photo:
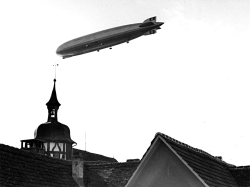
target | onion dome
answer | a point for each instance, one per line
(53, 132)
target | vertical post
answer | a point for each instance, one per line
(85, 141)
(55, 68)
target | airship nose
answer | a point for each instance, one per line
(59, 50)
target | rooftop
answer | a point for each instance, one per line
(23, 168)
(87, 156)
(241, 175)
(108, 174)
(213, 170)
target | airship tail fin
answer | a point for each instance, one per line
(148, 22)
(153, 19)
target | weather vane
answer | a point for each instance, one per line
(55, 68)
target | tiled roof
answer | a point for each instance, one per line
(23, 168)
(241, 175)
(211, 169)
(87, 156)
(105, 174)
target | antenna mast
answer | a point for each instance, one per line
(113, 152)
(85, 140)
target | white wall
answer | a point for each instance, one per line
(162, 168)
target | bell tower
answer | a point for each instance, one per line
(55, 135)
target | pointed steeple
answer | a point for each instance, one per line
(55, 135)
(53, 105)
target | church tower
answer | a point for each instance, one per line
(55, 135)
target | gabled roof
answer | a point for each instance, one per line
(23, 168)
(87, 156)
(108, 174)
(211, 169)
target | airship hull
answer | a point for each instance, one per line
(105, 39)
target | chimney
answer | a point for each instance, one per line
(219, 157)
(77, 170)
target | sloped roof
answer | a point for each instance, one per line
(23, 168)
(87, 156)
(212, 170)
(108, 174)
(241, 175)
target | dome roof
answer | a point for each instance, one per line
(53, 131)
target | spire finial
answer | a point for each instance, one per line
(53, 104)
(55, 69)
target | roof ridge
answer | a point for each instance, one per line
(190, 147)
(98, 163)
(240, 167)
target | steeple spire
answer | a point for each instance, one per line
(53, 105)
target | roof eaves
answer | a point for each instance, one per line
(194, 149)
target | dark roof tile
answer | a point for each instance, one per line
(23, 168)
(108, 174)
(241, 175)
(87, 156)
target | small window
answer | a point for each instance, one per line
(60, 146)
(53, 113)
(52, 145)
(56, 147)
(45, 146)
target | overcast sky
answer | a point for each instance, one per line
(189, 81)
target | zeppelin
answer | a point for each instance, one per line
(107, 38)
